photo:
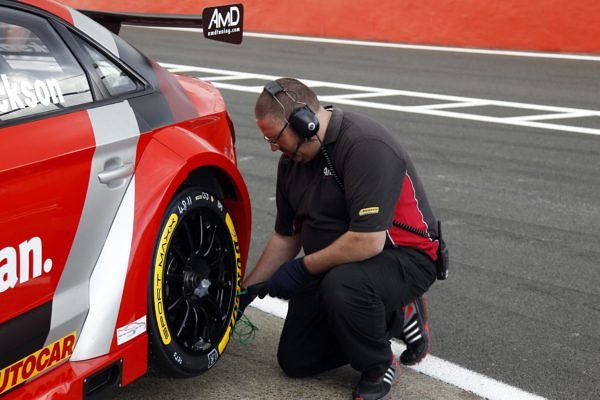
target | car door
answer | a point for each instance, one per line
(66, 160)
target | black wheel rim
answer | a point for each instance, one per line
(199, 280)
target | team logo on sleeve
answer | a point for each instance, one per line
(368, 211)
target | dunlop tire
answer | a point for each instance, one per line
(168, 355)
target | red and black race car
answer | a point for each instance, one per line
(124, 221)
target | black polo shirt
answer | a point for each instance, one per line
(379, 180)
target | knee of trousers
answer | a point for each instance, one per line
(290, 363)
(339, 286)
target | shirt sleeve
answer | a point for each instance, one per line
(373, 176)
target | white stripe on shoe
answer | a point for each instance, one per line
(389, 376)
(410, 341)
(410, 326)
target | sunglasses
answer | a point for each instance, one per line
(273, 142)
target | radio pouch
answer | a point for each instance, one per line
(443, 259)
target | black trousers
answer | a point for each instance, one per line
(341, 317)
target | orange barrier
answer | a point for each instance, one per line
(546, 25)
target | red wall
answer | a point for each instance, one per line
(548, 25)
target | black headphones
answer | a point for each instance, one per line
(303, 120)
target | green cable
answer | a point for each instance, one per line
(244, 331)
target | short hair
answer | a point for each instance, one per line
(296, 95)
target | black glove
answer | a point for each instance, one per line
(288, 279)
(245, 299)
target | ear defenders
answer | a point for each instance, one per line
(303, 120)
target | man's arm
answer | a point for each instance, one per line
(350, 247)
(278, 250)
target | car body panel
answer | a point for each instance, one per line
(84, 189)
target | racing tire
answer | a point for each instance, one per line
(194, 280)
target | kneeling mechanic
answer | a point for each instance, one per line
(348, 195)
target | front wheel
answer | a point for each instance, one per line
(195, 276)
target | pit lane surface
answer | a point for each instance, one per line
(519, 202)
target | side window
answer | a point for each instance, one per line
(115, 80)
(38, 73)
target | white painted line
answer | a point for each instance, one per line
(471, 381)
(563, 56)
(433, 366)
(238, 88)
(472, 117)
(435, 110)
(455, 105)
(556, 116)
(183, 68)
(531, 54)
(229, 78)
(270, 305)
(382, 93)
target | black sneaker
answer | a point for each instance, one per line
(380, 388)
(415, 332)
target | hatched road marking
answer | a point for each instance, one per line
(538, 116)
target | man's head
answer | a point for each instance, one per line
(285, 112)
(295, 94)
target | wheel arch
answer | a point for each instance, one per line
(202, 167)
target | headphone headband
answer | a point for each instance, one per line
(303, 120)
(274, 88)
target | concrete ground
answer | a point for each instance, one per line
(250, 371)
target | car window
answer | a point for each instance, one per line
(38, 73)
(115, 79)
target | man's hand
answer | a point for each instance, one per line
(288, 279)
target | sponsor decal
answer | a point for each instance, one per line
(368, 211)
(131, 330)
(204, 196)
(238, 270)
(36, 363)
(22, 264)
(224, 23)
(184, 205)
(159, 307)
(23, 93)
(213, 356)
(177, 358)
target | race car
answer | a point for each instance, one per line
(124, 220)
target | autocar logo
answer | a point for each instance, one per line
(224, 23)
(35, 363)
